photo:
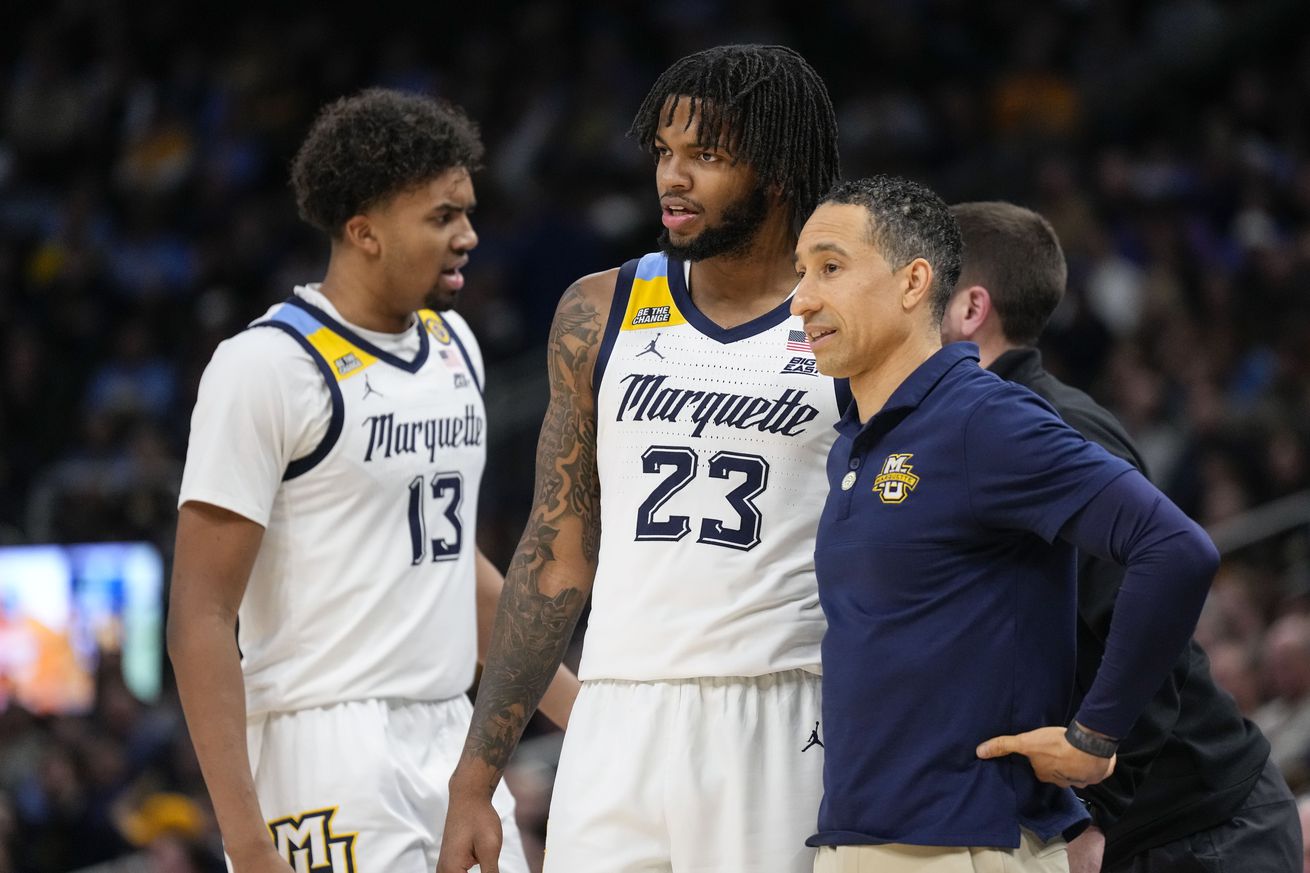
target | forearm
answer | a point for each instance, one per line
(557, 702)
(209, 681)
(552, 570)
(1098, 584)
(532, 631)
(1169, 564)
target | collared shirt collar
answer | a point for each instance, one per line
(1014, 364)
(917, 386)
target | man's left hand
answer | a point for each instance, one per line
(1051, 757)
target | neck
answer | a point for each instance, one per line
(763, 271)
(357, 296)
(991, 348)
(874, 386)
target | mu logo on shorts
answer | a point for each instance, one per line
(308, 844)
(896, 480)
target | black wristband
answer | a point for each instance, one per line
(1085, 741)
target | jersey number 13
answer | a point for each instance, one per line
(446, 491)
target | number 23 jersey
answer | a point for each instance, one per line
(711, 449)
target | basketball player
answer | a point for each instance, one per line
(329, 496)
(681, 390)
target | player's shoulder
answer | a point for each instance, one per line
(584, 307)
(597, 291)
(262, 353)
(594, 289)
(262, 344)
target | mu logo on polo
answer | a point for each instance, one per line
(307, 843)
(896, 480)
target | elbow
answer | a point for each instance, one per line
(193, 632)
(1196, 559)
(1206, 555)
(174, 635)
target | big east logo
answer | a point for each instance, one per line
(895, 482)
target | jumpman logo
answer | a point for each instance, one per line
(369, 389)
(814, 739)
(650, 349)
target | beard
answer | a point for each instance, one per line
(732, 235)
(441, 297)
(440, 300)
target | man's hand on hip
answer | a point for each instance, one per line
(1051, 757)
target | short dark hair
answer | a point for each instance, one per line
(364, 149)
(1014, 253)
(907, 221)
(771, 106)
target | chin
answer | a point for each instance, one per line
(683, 249)
(440, 300)
(831, 367)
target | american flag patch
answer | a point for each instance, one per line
(796, 341)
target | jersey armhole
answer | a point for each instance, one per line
(618, 309)
(300, 466)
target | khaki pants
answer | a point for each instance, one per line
(1032, 856)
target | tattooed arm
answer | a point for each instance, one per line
(547, 583)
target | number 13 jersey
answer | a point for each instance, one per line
(711, 449)
(361, 455)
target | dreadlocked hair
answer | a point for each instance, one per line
(763, 103)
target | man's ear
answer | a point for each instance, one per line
(360, 233)
(918, 284)
(976, 307)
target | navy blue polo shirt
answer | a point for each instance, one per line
(951, 608)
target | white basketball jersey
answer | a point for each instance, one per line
(711, 448)
(364, 583)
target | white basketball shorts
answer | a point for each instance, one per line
(689, 776)
(361, 787)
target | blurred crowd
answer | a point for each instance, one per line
(145, 216)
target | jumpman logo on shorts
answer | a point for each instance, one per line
(369, 389)
(814, 739)
(650, 349)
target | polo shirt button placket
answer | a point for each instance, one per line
(848, 481)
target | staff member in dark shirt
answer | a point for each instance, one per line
(1193, 777)
(945, 559)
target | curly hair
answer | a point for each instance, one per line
(907, 221)
(364, 149)
(768, 102)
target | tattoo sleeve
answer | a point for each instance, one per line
(552, 571)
